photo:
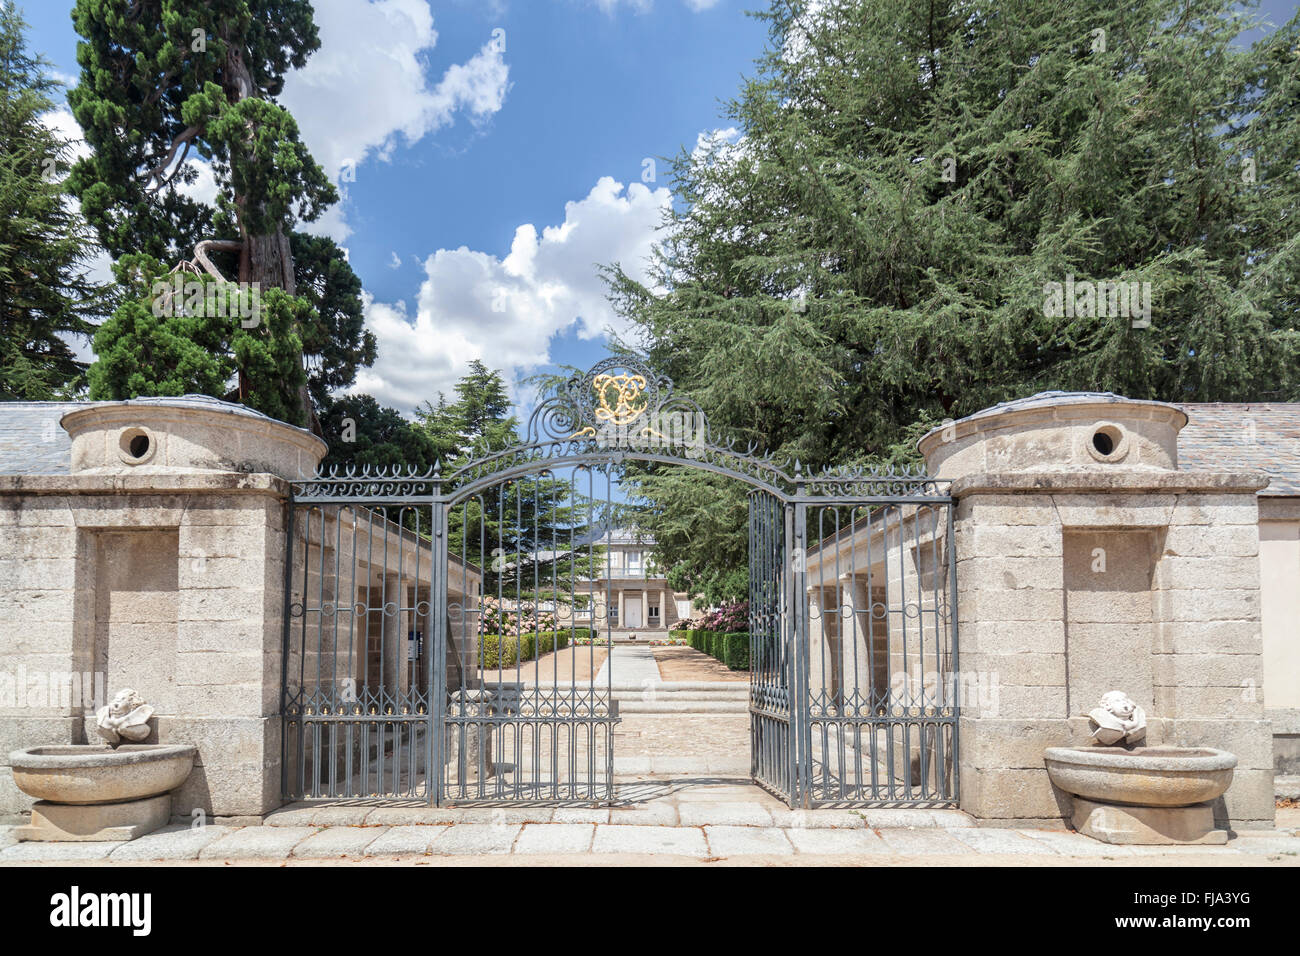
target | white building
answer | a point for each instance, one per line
(630, 594)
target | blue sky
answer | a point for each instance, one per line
(490, 153)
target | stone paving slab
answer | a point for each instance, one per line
(178, 841)
(817, 819)
(7, 838)
(338, 841)
(302, 816)
(581, 815)
(475, 839)
(404, 841)
(660, 814)
(1068, 843)
(922, 841)
(54, 852)
(680, 841)
(1268, 846)
(724, 814)
(997, 840)
(897, 817)
(836, 842)
(555, 838)
(747, 841)
(252, 843)
(497, 816)
(409, 817)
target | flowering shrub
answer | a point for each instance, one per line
(524, 619)
(728, 618)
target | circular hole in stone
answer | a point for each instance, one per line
(1109, 443)
(136, 446)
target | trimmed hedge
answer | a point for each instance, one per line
(506, 650)
(730, 648)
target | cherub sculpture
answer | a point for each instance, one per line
(125, 718)
(1119, 720)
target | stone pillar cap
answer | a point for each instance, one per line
(1057, 431)
(190, 433)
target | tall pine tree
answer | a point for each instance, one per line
(45, 246)
(162, 79)
(872, 253)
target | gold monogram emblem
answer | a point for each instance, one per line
(626, 391)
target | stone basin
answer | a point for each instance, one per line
(83, 774)
(1143, 776)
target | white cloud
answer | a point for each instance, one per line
(367, 82)
(506, 311)
(65, 124)
(396, 263)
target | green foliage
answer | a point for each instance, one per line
(731, 648)
(142, 354)
(827, 290)
(335, 343)
(362, 433)
(44, 245)
(269, 355)
(156, 343)
(507, 650)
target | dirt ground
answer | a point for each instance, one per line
(679, 662)
(575, 665)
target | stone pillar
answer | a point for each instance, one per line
(157, 562)
(1088, 561)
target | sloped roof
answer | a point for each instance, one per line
(31, 439)
(1258, 436)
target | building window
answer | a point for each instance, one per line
(634, 560)
(613, 614)
(653, 611)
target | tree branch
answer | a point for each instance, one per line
(155, 175)
(201, 254)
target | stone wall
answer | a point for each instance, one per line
(170, 583)
(1077, 577)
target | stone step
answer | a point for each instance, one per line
(743, 806)
(659, 694)
(672, 706)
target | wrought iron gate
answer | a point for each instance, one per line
(445, 634)
(773, 716)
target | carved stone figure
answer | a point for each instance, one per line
(1119, 720)
(125, 718)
